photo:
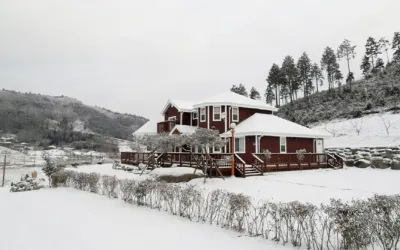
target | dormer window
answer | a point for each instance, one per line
(203, 114)
(235, 114)
(172, 118)
(217, 113)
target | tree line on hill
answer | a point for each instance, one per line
(286, 81)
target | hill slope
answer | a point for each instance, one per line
(33, 113)
(377, 94)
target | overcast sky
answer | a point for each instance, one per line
(131, 56)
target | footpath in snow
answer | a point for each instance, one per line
(65, 219)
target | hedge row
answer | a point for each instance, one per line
(360, 224)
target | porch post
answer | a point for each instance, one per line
(181, 118)
(233, 125)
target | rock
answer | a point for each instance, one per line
(362, 163)
(381, 163)
(349, 162)
(396, 165)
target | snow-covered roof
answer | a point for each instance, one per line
(184, 129)
(271, 125)
(149, 128)
(182, 106)
(233, 99)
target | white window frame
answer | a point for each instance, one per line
(282, 144)
(235, 120)
(172, 118)
(217, 151)
(201, 114)
(195, 115)
(220, 112)
(244, 145)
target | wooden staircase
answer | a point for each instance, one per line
(335, 161)
(252, 171)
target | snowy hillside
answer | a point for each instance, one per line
(369, 131)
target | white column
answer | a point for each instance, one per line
(181, 117)
(191, 118)
(208, 117)
(256, 142)
(226, 119)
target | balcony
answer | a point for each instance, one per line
(166, 126)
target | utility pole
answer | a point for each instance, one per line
(4, 170)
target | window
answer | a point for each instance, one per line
(217, 114)
(203, 114)
(172, 118)
(217, 149)
(283, 144)
(194, 115)
(235, 114)
(240, 145)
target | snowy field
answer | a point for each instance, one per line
(314, 186)
(372, 130)
(65, 219)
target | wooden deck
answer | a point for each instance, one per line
(221, 162)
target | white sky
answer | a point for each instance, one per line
(131, 56)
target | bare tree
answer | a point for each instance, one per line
(357, 125)
(386, 123)
(331, 130)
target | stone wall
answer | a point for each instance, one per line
(375, 157)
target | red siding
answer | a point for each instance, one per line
(294, 144)
(269, 142)
(172, 111)
(186, 118)
(250, 148)
(245, 113)
(219, 125)
(203, 124)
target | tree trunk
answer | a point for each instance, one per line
(276, 95)
(316, 83)
(387, 55)
(348, 64)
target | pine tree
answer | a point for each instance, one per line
(241, 90)
(396, 47)
(365, 66)
(254, 94)
(304, 70)
(372, 50)
(384, 44)
(290, 73)
(338, 78)
(347, 51)
(269, 95)
(316, 73)
(330, 65)
(274, 81)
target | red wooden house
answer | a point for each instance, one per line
(257, 129)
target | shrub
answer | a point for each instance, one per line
(364, 224)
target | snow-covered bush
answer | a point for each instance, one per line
(364, 224)
(26, 183)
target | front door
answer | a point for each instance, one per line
(319, 149)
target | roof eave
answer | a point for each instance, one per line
(253, 133)
(273, 109)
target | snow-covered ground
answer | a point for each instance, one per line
(70, 219)
(35, 157)
(372, 131)
(315, 186)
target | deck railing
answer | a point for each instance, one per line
(166, 126)
(289, 161)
